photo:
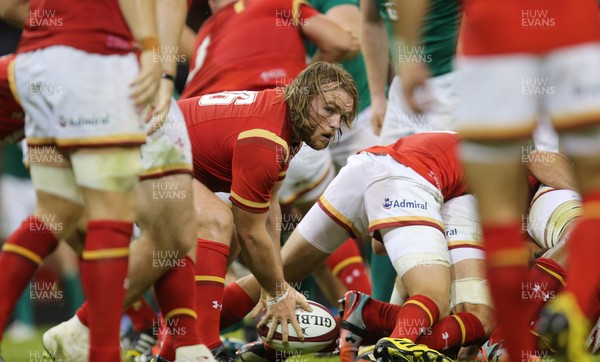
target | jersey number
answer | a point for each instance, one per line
(226, 98)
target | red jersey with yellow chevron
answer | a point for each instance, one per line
(12, 117)
(527, 26)
(433, 155)
(241, 143)
(249, 45)
(94, 26)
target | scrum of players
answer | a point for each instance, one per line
(439, 172)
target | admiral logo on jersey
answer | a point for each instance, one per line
(389, 204)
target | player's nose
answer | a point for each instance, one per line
(335, 121)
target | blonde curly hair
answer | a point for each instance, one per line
(309, 83)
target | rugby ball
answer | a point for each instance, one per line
(319, 327)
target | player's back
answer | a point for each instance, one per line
(528, 26)
(249, 45)
(433, 155)
(95, 26)
(218, 123)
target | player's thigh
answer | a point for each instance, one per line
(215, 217)
(300, 256)
(342, 203)
(550, 213)
(497, 96)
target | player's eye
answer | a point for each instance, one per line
(329, 109)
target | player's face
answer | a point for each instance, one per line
(329, 113)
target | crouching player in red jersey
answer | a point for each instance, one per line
(242, 143)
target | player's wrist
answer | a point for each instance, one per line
(167, 76)
(148, 43)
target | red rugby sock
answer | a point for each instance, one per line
(175, 293)
(21, 255)
(210, 278)
(103, 273)
(417, 314)
(583, 247)
(236, 305)
(461, 329)
(507, 267)
(141, 314)
(348, 266)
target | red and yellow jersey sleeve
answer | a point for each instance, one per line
(259, 162)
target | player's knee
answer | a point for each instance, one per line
(472, 295)
(216, 224)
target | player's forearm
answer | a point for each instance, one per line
(171, 19)
(274, 221)
(140, 16)
(14, 12)
(333, 42)
(259, 254)
(186, 43)
(411, 13)
(552, 169)
(376, 52)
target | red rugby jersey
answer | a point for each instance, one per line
(249, 45)
(241, 143)
(12, 117)
(433, 155)
(527, 26)
(95, 26)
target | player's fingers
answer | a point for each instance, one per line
(303, 303)
(263, 321)
(297, 328)
(284, 331)
(272, 329)
(410, 99)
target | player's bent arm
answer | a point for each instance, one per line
(333, 42)
(552, 169)
(376, 50)
(14, 12)
(171, 19)
(274, 218)
(140, 16)
(258, 249)
(413, 13)
(347, 16)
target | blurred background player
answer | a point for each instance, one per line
(523, 59)
(69, 136)
(166, 218)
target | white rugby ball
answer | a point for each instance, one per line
(319, 327)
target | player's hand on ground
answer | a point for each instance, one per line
(378, 108)
(145, 86)
(161, 105)
(413, 76)
(281, 309)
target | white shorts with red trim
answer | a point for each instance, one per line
(168, 150)
(551, 214)
(75, 99)
(463, 231)
(373, 192)
(501, 97)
